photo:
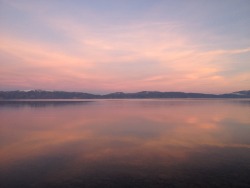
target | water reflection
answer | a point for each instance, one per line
(126, 143)
(41, 103)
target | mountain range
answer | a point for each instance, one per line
(43, 94)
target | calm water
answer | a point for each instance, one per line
(125, 143)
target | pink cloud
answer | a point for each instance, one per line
(112, 57)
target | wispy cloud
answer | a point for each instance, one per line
(140, 54)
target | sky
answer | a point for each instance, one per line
(108, 46)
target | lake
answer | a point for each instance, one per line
(125, 143)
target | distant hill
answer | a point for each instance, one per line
(242, 93)
(42, 94)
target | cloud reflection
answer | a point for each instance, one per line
(161, 127)
(112, 137)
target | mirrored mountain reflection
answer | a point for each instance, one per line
(42, 103)
(126, 143)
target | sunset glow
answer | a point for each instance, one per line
(107, 46)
